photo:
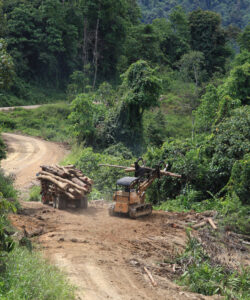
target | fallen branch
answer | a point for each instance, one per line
(114, 166)
(211, 222)
(154, 283)
(199, 225)
(174, 268)
(239, 235)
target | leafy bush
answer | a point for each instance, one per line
(28, 276)
(6, 186)
(118, 150)
(182, 203)
(8, 203)
(6, 242)
(231, 141)
(6, 66)
(206, 112)
(155, 128)
(2, 149)
(239, 182)
(235, 215)
(85, 117)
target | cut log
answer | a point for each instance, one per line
(53, 170)
(66, 182)
(78, 181)
(166, 173)
(84, 189)
(69, 166)
(238, 235)
(87, 180)
(70, 195)
(76, 192)
(61, 185)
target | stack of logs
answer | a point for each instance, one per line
(65, 180)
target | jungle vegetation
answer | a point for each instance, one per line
(166, 82)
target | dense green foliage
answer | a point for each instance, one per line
(51, 39)
(6, 66)
(2, 148)
(68, 46)
(171, 88)
(233, 12)
(208, 37)
(205, 164)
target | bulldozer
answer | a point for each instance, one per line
(130, 193)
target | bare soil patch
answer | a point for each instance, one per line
(105, 256)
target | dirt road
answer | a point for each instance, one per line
(103, 256)
(24, 107)
(26, 154)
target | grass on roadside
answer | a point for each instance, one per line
(34, 193)
(49, 122)
(28, 276)
(202, 275)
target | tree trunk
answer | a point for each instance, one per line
(95, 53)
(85, 44)
(196, 77)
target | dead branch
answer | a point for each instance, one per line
(154, 283)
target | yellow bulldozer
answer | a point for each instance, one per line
(129, 197)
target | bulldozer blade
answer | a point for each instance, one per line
(139, 210)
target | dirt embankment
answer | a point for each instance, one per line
(104, 256)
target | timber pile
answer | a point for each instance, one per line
(66, 180)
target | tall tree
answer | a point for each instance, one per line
(143, 43)
(105, 25)
(208, 37)
(174, 35)
(2, 23)
(50, 39)
(6, 66)
(141, 91)
(191, 65)
(244, 38)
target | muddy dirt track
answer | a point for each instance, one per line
(103, 256)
